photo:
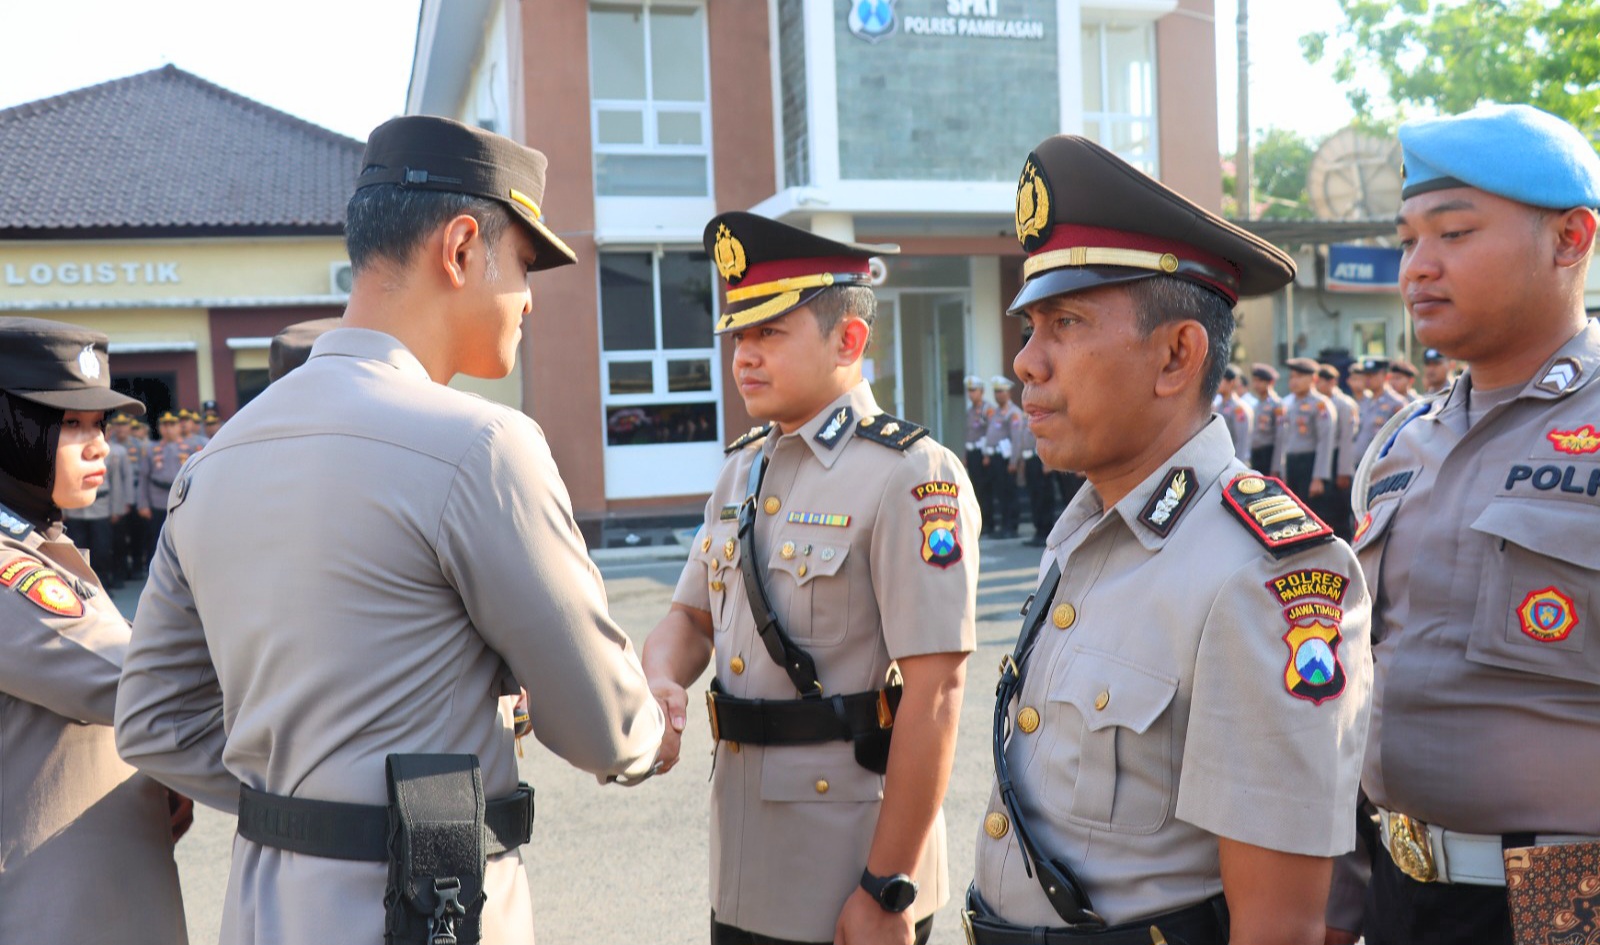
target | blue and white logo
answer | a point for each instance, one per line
(871, 20)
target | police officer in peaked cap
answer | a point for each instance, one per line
(1476, 515)
(838, 541)
(1179, 727)
(364, 562)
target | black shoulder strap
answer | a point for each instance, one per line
(796, 662)
(1061, 886)
(890, 431)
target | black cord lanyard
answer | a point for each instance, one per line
(796, 662)
(1061, 886)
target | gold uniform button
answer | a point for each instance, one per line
(716, 585)
(787, 550)
(705, 544)
(1028, 720)
(1103, 699)
(1064, 616)
(996, 825)
(727, 549)
(771, 505)
(1251, 485)
(822, 786)
(737, 665)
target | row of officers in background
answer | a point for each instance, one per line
(1002, 458)
(123, 524)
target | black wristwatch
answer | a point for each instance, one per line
(894, 893)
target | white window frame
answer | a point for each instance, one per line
(1101, 120)
(659, 355)
(650, 108)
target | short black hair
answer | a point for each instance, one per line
(1162, 300)
(832, 304)
(387, 221)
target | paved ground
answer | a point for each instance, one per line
(622, 865)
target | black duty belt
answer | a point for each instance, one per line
(799, 721)
(1204, 923)
(342, 831)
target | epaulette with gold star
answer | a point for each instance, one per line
(1274, 515)
(890, 431)
(755, 434)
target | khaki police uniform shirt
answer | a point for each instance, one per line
(85, 841)
(1481, 543)
(1347, 413)
(1269, 410)
(363, 562)
(869, 554)
(1306, 426)
(978, 424)
(138, 452)
(1004, 430)
(1156, 714)
(162, 460)
(1238, 418)
(1375, 412)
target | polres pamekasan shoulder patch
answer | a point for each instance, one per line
(1312, 600)
(1274, 515)
(1169, 500)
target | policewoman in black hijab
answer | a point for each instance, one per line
(85, 840)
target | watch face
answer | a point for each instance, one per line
(898, 894)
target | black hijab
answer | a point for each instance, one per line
(29, 434)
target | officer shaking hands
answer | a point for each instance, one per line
(837, 540)
(1477, 515)
(1179, 729)
(363, 562)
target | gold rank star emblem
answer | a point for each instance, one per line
(729, 254)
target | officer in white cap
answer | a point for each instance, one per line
(1002, 454)
(979, 413)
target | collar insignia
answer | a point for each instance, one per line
(13, 524)
(1168, 501)
(729, 254)
(1033, 206)
(1562, 375)
(829, 434)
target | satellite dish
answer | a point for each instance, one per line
(1355, 176)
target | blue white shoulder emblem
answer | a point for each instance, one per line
(13, 524)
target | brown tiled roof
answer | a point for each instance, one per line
(165, 151)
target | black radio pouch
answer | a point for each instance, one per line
(436, 851)
(872, 747)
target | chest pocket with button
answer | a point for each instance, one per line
(1111, 765)
(1535, 600)
(810, 592)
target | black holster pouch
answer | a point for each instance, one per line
(436, 851)
(872, 747)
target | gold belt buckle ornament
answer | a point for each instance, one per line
(1409, 847)
(966, 926)
(711, 710)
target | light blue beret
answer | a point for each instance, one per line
(1512, 151)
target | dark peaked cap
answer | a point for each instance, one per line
(58, 365)
(429, 153)
(1087, 218)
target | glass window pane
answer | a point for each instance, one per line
(1091, 70)
(614, 127)
(678, 128)
(616, 43)
(644, 175)
(945, 272)
(686, 300)
(677, 55)
(689, 375)
(1129, 72)
(627, 305)
(661, 423)
(631, 377)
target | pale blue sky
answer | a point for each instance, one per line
(344, 64)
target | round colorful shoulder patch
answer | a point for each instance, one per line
(1548, 615)
(42, 587)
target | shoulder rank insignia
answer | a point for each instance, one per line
(1276, 516)
(13, 524)
(837, 423)
(890, 431)
(1170, 498)
(755, 434)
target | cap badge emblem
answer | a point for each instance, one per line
(88, 364)
(729, 254)
(1033, 207)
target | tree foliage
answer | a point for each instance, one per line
(1449, 56)
(1279, 162)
